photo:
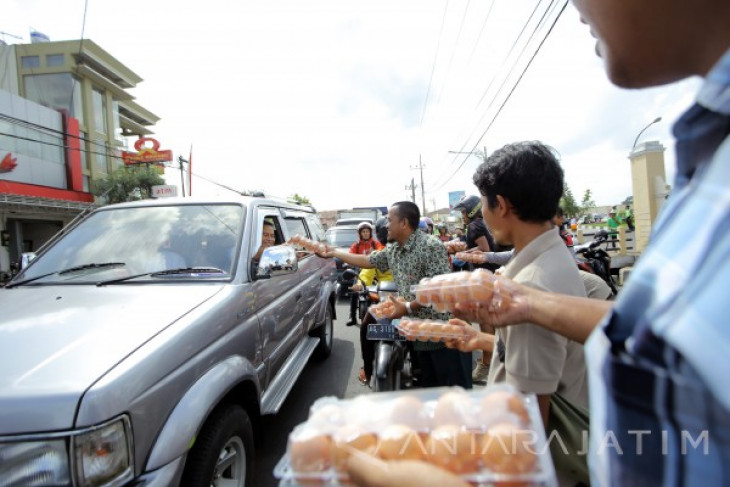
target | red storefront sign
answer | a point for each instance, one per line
(146, 155)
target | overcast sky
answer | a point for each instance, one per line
(328, 98)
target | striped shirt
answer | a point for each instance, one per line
(658, 364)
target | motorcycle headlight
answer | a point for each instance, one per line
(103, 455)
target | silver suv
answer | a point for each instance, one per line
(142, 345)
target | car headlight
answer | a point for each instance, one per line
(103, 455)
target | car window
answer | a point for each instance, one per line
(296, 226)
(144, 239)
(315, 227)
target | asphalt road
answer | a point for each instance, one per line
(336, 376)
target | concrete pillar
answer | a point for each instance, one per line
(648, 180)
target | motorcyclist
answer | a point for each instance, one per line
(369, 276)
(426, 225)
(364, 245)
(443, 232)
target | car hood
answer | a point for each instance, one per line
(56, 341)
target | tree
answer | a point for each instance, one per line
(568, 204)
(587, 202)
(127, 185)
(300, 200)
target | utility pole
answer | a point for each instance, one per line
(180, 160)
(423, 192)
(412, 189)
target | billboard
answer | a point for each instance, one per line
(455, 197)
(146, 154)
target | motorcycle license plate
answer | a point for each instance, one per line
(387, 331)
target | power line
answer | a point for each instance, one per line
(492, 81)
(484, 27)
(509, 95)
(433, 67)
(81, 45)
(453, 52)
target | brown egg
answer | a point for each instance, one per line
(310, 450)
(399, 442)
(452, 408)
(505, 401)
(509, 449)
(453, 448)
(424, 331)
(352, 437)
(408, 410)
(481, 286)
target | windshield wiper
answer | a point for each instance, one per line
(166, 272)
(82, 267)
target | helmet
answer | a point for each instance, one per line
(471, 204)
(422, 225)
(381, 230)
(427, 220)
(364, 225)
(442, 225)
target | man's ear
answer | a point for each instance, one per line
(503, 206)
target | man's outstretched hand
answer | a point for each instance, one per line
(368, 471)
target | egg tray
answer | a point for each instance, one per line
(472, 289)
(472, 257)
(431, 330)
(427, 414)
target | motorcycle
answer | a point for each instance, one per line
(593, 258)
(391, 364)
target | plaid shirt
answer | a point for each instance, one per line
(658, 364)
(421, 256)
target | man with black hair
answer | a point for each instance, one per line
(521, 185)
(412, 255)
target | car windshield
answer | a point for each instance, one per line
(341, 237)
(119, 242)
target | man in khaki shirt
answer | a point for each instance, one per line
(521, 185)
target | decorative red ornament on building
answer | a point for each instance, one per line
(8, 163)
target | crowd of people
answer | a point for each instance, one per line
(654, 355)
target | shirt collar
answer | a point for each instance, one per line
(715, 92)
(411, 242)
(539, 245)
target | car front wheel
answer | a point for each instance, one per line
(222, 455)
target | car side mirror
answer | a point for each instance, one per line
(276, 261)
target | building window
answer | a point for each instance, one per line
(54, 60)
(99, 107)
(30, 62)
(58, 91)
(115, 119)
(86, 184)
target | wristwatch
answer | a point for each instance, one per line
(408, 307)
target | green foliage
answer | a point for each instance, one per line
(587, 202)
(127, 184)
(300, 200)
(568, 204)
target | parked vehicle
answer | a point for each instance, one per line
(143, 345)
(593, 258)
(360, 214)
(342, 237)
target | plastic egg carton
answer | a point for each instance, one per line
(472, 257)
(488, 436)
(473, 289)
(308, 244)
(455, 245)
(432, 330)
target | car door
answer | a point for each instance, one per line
(310, 266)
(277, 300)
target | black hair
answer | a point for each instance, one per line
(559, 212)
(527, 174)
(409, 211)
